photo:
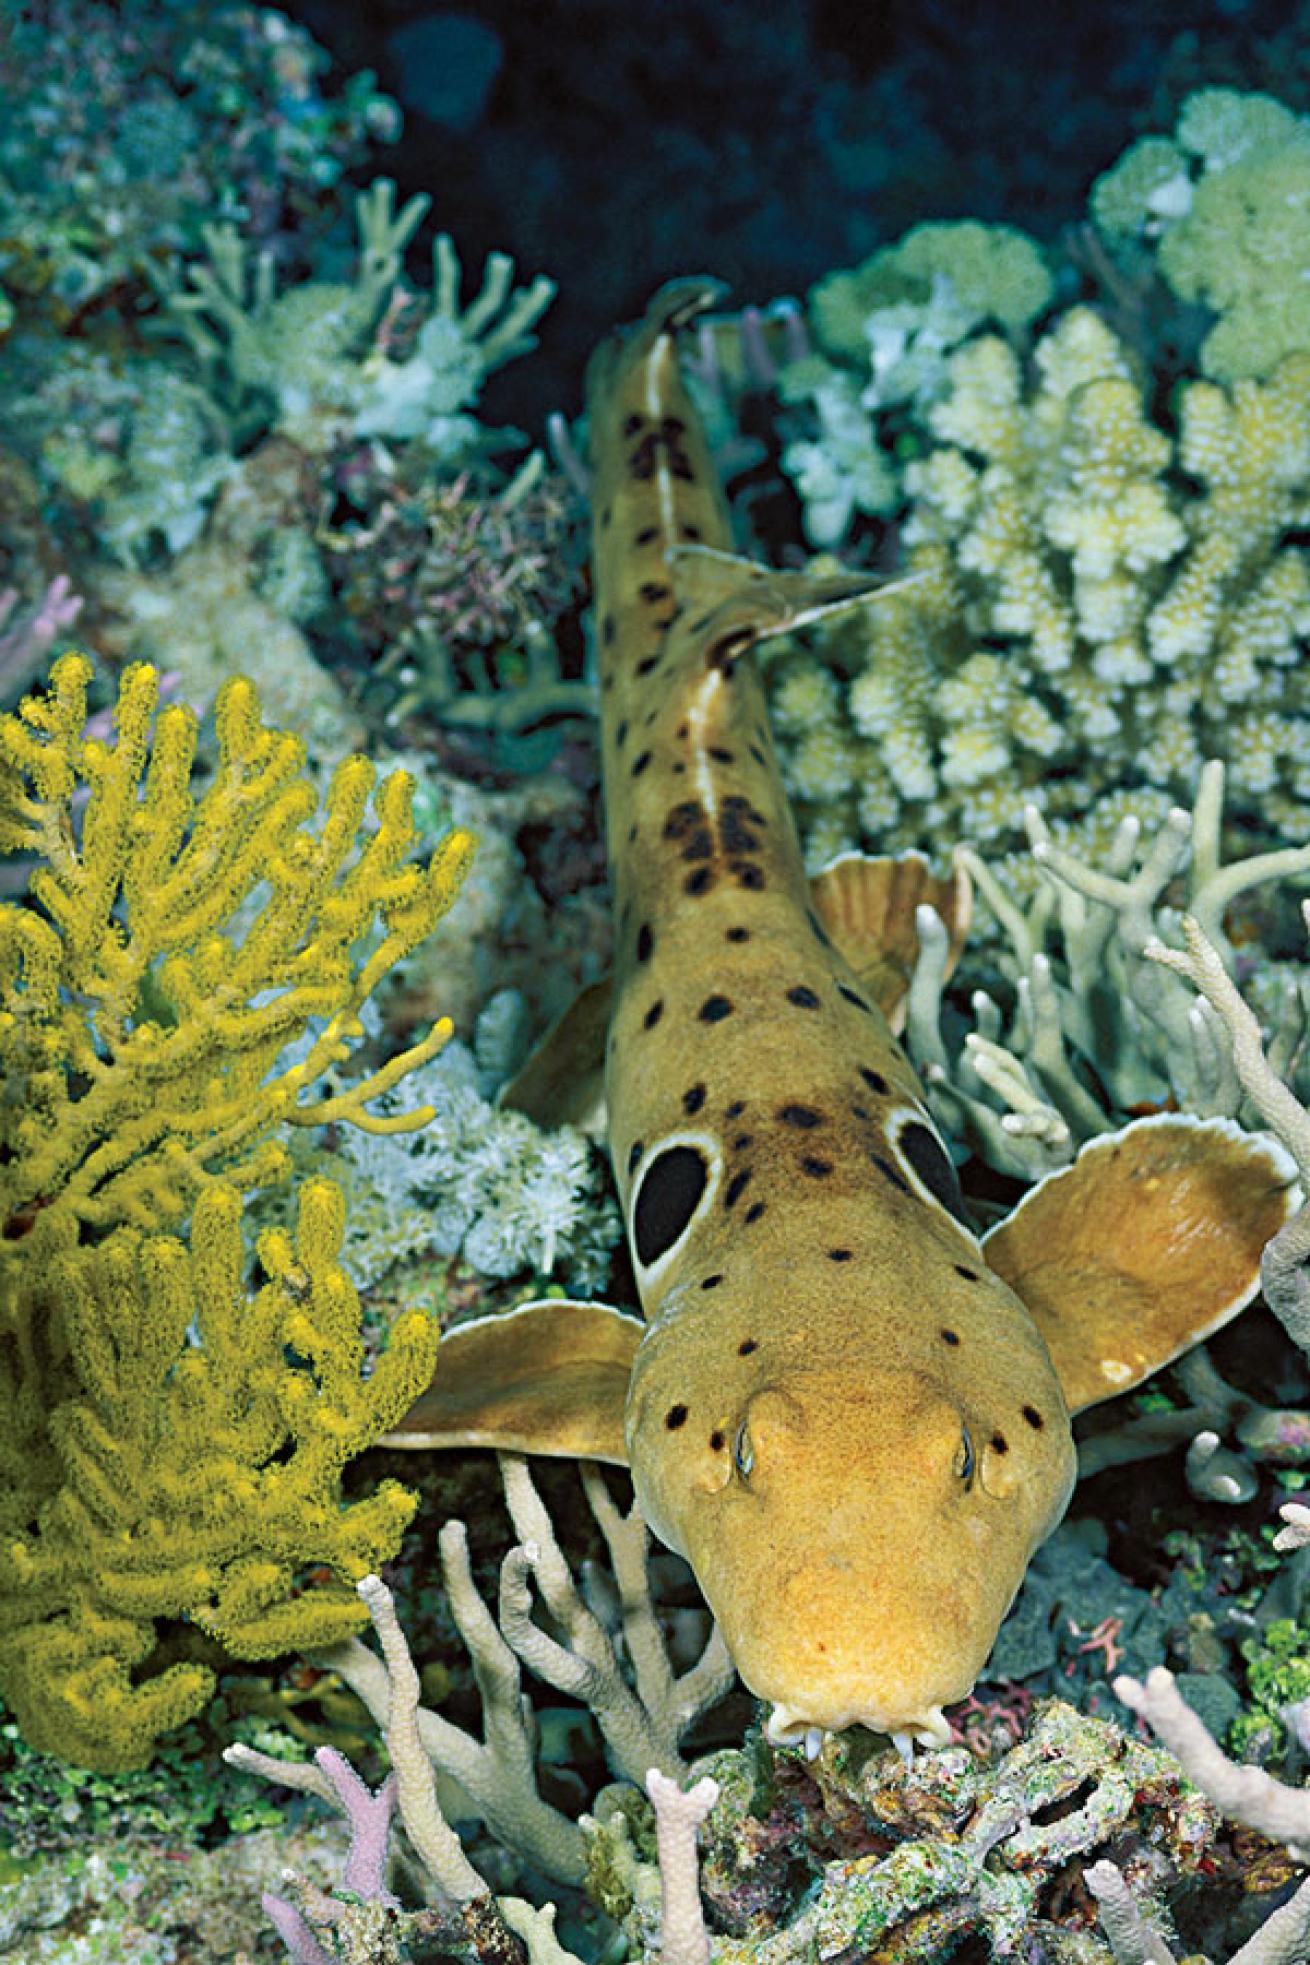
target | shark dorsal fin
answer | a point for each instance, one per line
(867, 905)
(1147, 1244)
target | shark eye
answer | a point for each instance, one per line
(966, 1461)
(743, 1453)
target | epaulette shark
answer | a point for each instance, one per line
(848, 1413)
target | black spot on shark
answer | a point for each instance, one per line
(670, 1192)
(928, 1159)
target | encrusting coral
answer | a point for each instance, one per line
(186, 969)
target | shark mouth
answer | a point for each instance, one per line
(786, 1728)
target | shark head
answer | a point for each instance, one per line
(860, 1526)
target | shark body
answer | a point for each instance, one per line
(848, 1413)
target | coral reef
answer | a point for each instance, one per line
(174, 951)
(1080, 625)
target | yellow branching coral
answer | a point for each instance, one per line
(177, 944)
(195, 1476)
(186, 967)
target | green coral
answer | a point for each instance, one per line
(1099, 604)
(315, 355)
(885, 330)
(127, 127)
(1224, 206)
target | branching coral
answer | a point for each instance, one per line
(1086, 619)
(1097, 1030)
(312, 350)
(181, 1447)
(1224, 206)
(173, 948)
(141, 1029)
(642, 1720)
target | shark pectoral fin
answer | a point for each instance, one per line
(1148, 1243)
(562, 1082)
(550, 1377)
(867, 907)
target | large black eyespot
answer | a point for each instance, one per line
(743, 1453)
(668, 1197)
(966, 1461)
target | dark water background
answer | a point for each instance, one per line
(612, 144)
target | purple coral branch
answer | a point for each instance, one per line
(25, 645)
(369, 1816)
(295, 1934)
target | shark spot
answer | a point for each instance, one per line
(800, 1115)
(950, 1337)
(633, 423)
(735, 1110)
(632, 835)
(817, 928)
(861, 1112)
(885, 1167)
(672, 426)
(680, 468)
(747, 1345)
(738, 935)
(714, 1009)
(727, 650)
(851, 997)
(711, 1282)
(679, 768)
(609, 627)
(742, 1141)
(803, 998)
(736, 1188)
(1034, 1418)
(750, 877)
(621, 734)
(690, 532)
(682, 733)
(639, 764)
(670, 1192)
(930, 1161)
(758, 754)
(698, 882)
(634, 1154)
(999, 1443)
(700, 846)
(840, 1255)
(653, 590)
(816, 1168)
(645, 942)
(605, 518)
(683, 818)
(754, 1211)
(721, 755)
(647, 664)
(675, 1416)
(737, 834)
(647, 533)
(700, 624)
(693, 1099)
(969, 1275)
(716, 1441)
(874, 1080)
(653, 1015)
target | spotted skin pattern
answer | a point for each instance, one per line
(850, 1417)
(812, 1419)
